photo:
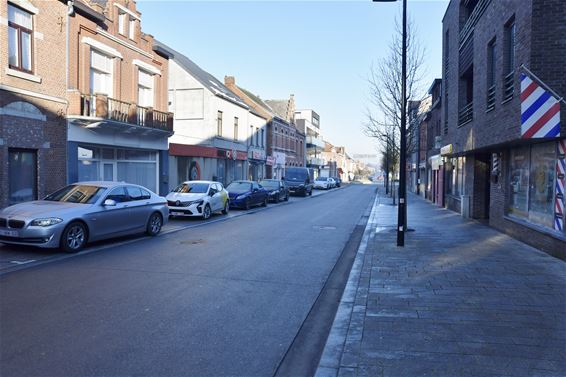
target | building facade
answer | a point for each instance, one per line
(32, 99)
(118, 124)
(494, 169)
(434, 188)
(308, 121)
(215, 132)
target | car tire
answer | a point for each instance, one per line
(154, 224)
(264, 204)
(247, 204)
(310, 192)
(287, 197)
(74, 237)
(206, 212)
(277, 198)
(226, 208)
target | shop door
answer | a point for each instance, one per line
(108, 171)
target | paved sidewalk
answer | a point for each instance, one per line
(460, 299)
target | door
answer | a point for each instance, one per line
(257, 195)
(113, 220)
(22, 175)
(139, 205)
(108, 169)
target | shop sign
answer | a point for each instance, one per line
(270, 160)
(435, 162)
(445, 150)
(256, 155)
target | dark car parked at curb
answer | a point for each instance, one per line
(299, 180)
(277, 190)
(245, 194)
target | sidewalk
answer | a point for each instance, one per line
(460, 299)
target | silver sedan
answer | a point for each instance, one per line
(84, 212)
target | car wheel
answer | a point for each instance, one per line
(154, 224)
(206, 212)
(74, 237)
(264, 204)
(247, 204)
(226, 208)
(310, 192)
(287, 197)
(277, 198)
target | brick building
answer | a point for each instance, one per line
(118, 124)
(285, 143)
(491, 171)
(32, 99)
(432, 134)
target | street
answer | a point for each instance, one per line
(222, 299)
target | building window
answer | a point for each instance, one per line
(122, 23)
(509, 59)
(257, 137)
(532, 174)
(20, 30)
(235, 128)
(219, 124)
(100, 73)
(145, 88)
(491, 64)
(262, 138)
(251, 138)
(132, 29)
(22, 175)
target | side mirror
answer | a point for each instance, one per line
(109, 203)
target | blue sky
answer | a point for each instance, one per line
(320, 51)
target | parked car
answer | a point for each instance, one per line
(322, 183)
(331, 182)
(299, 181)
(276, 189)
(338, 181)
(245, 194)
(81, 213)
(198, 198)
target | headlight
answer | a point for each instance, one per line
(46, 222)
(198, 202)
(301, 185)
(239, 197)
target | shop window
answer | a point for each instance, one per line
(532, 175)
(22, 175)
(20, 30)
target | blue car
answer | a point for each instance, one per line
(245, 194)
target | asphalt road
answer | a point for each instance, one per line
(223, 299)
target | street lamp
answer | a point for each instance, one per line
(402, 208)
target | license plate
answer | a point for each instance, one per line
(177, 213)
(9, 233)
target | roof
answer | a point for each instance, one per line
(435, 82)
(279, 107)
(206, 79)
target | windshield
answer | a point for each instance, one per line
(322, 179)
(193, 188)
(77, 194)
(295, 175)
(270, 184)
(239, 187)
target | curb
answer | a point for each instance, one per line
(329, 364)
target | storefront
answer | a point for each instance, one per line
(536, 185)
(437, 179)
(230, 165)
(256, 165)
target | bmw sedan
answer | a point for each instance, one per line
(245, 194)
(198, 198)
(81, 213)
(276, 189)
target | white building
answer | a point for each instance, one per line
(215, 131)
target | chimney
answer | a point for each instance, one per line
(229, 80)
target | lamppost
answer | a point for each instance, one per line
(402, 209)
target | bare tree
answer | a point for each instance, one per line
(383, 117)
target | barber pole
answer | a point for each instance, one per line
(560, 184)
(540, 111)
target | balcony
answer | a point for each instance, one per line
(316, 161)
(102, 107)
(490, 98)
(314, 141)
(508, 86)
(467, 30)
(466, 114)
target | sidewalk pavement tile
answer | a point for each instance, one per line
(460, 299)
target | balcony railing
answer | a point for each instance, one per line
(508, 86)
(468, 28)
(490, 98)
(466, 114)
(101, 106)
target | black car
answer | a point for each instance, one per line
(338, 181)
(276, 189)
(299, 180)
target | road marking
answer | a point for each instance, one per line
(22, 262)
